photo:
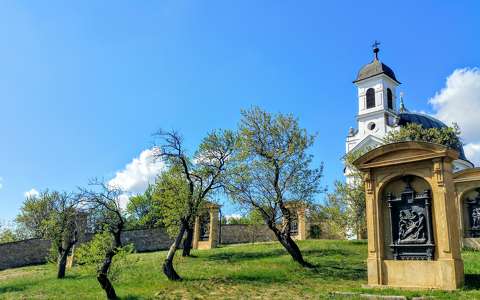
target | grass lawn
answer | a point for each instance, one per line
(260, 271)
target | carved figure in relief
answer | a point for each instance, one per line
(476, 218)
(411, 225)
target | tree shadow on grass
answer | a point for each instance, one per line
(242, 256)
(327, 252)
(337, 270)
(130, 297)
(251, 255)
(11, 289)
(472, 281)
(235, 278)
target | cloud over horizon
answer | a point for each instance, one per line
(459, 102)
(137, 174)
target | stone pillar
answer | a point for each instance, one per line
(212, 210)
(412, 216)
(299, 209)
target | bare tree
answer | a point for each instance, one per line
(204, 173)
(103, 201)
(271, 169)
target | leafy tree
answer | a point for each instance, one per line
(171, 194)
(447, 136)
(7, 234)
(271, 169)
(52, 216)
(204, 172)
(144, 211)
(92, 254)
(103, 202)
(33, 213)
(328, 220)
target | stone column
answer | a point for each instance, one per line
(299, 209)
(213, 211)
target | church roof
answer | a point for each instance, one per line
(405, 117)
(376, 67)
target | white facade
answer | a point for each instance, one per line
(375, 122)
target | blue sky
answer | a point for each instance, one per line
(84, 85)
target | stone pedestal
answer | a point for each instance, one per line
(412, 216)
(205, 233)
(300, 232)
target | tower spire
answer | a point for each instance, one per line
(375, 48)
(402, 104)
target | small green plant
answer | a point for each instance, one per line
(92, 254)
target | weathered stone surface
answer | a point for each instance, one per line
(23, 253)
(146, 240)
(239, 233)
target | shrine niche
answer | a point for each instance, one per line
(472, 211)
(412, 216)
(467, 187)
(411, 234)
(205, 233)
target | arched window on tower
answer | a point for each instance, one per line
(390, 99)
(370, 98)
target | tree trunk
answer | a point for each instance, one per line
(62, 262)
(102, 276)
(289, 244)
(168, 269)
(187, 242)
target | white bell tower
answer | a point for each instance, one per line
(377, 90)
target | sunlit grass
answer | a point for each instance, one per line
(260, 271)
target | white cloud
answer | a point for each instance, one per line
(233, 216)
(137, 174)
(472, 151)
(31, 193)
(459, 101)
(1, 183)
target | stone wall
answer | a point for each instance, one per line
(35, 251)
(146, 240)
(240, 233)
(23, 253)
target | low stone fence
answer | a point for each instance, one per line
(146, 240)
(35, 251)
(23, 253)
(241, 233)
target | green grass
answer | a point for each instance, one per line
(261, 271)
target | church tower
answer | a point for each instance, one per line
(377, 105)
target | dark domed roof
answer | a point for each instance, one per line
(406, 117)
(375, 68)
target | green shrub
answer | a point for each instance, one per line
(91, 255)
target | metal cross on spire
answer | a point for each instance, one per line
(375, 48)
